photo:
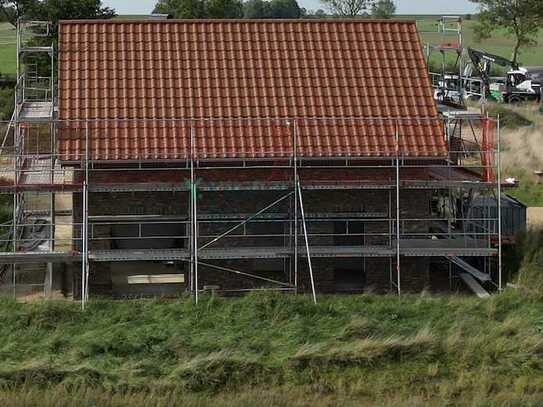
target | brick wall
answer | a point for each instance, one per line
(376, 205)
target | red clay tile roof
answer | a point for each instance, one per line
(221, 76)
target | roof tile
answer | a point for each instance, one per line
(240, 84)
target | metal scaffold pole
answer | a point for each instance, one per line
(499, 203)
(299, 188)
(192, 256)
(294, 181)
(52, 212)
(84, 270)
(16, 130)
(289, 238)
(195, 237)
(448, 135)
(191, 228)
(85, 226)
(52, 206)
(194, 218)
(397, 137)
(390, 234)
(15, 202)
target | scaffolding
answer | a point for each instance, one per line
(452, 86)
(56, 195)
(284, 228)
(33, 113)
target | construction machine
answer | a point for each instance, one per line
(519, 85)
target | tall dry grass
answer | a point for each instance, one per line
(522, 147)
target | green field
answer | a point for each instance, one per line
(499, 43)
(7, 49)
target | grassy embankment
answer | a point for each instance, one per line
(273, 350)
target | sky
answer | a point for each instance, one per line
(403, 6)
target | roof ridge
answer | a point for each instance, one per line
(242, 20)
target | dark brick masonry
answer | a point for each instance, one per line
(331, 275)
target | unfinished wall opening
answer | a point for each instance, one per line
(349, 275)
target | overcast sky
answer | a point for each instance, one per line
(404, 6)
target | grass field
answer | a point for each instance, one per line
(7, 49)
(499, 43)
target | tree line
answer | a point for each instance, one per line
(520, 19)
(273, 8)
(53, 10)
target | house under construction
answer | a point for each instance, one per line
(235, 155)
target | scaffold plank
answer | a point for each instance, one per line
(479, 275)
(278, 252)
(180, 187)
(446, 248)
(474, 285)
(13, 189)
(138, 255)
(36, 112)
(445, 252)
(39, 257)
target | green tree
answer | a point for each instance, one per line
(285, 9)
(53, 10)
(229, 8)
(56, 10)
(201, 8)
(272, 9)
(257, 9)
(224, 9)
(347, 8)
(521, 19)
(12, 10)
(182, 8)
(6, 105)
(383, 9)
(320, 13)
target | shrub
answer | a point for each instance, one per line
(6, 103)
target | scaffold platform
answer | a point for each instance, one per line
(36, 112)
